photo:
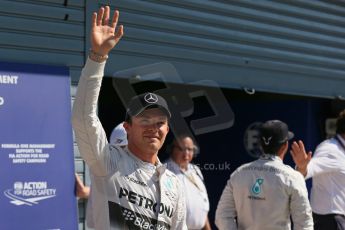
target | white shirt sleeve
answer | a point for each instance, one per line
(90, 135)
(324, 160)
(300, 209)
(179, 222)
(226, 211)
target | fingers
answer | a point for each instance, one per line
(309, 156)
(298, 152)
(295, 148)
(115, 19)
(301, 145)
(94, 19)
(298, 147)
(106, 15)
(119, 33)
(100, 16)
(103, 16)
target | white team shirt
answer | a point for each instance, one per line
(327, 168)
(264, 194)
(197, 202)
(128, 193)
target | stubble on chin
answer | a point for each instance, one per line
(154, 147)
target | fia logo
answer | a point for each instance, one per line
(256, 188)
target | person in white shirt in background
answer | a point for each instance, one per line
(182, 151)
(265, 193)
(119, 136)
(327, 168)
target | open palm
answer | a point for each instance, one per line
(104, 36)
(299, 155)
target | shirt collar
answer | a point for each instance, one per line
(270, 157)
(175, 167)
(341, 139)
(143, 164)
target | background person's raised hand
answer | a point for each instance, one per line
(300, 156)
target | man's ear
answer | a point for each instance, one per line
(126, 126)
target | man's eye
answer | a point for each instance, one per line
(161, 123)
(144, 122)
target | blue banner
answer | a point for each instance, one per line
(36, 148)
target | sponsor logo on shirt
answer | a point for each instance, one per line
(133, 220)
(168, 184)
(145, 202)
(256, 190)
(134, 180)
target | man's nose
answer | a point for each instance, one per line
(153, 126)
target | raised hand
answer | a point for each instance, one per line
(104, 36)
(300, 157)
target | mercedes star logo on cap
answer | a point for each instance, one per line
(151, 98)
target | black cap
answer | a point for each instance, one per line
(144, 101)
(274, 133)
